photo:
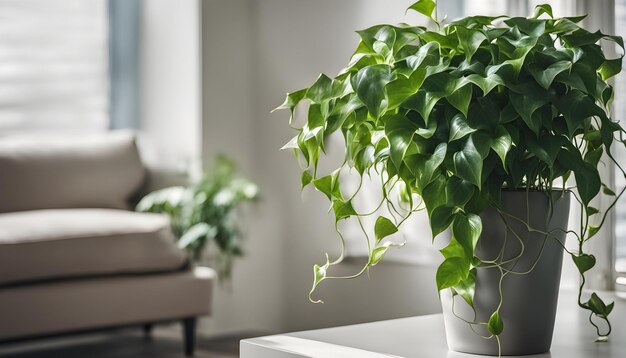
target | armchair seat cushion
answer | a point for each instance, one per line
(41, 245)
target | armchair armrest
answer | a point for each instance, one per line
(159, 178)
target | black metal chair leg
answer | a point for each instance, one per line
(189, 332)
(147, 331)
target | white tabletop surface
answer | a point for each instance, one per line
(424, 336)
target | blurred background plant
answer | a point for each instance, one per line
(206, 212)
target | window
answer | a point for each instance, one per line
(53, 65)
(620, 114)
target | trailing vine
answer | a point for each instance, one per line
(448, 118)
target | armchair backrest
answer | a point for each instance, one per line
(103, 171)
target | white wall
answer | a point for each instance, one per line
(253, 298)
(170, 82)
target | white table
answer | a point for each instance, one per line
(424, 336)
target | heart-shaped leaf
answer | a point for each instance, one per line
(383, 228)
(468, 163)
(501, 143)
(584, 262)
(458, 191)
(466, 230)
(369, 84)
(451, 272)
(440, 219)
(495, 324)
(424, 7)
(459, 127)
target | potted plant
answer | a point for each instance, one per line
(480, 122)
(203, 213)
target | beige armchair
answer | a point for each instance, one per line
(74, 257)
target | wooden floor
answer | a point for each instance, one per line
(122, 344)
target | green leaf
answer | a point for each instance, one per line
(501, 144)
(593, 156)
(458, 191)
(610, 68)
(383, 228)
(451, 272)
(329, 185)
(453, 249)
(357, 62)
(529, 99)
(609, 309)
(460, 99)
(468, 163)
(319, 275)
(435, 87)
(459, 127)
(584, 262)
(593, 230)
(582, 37)
(197, 232)
(588, 181)
(546, 76)
(470, 40)
(399, 131)
(369, 84)
(400, 89)
(466, 229)
(597, 305)
(508, 114)
(375, 35)
(546, 147)
(606, 190)
(308, 143)
(440, 219)
(424, 166)
(495, 324)
(378, 254)
(424, 7)
(543, 9)
(432, 194)
(441, 40)
(292, 100)
(427, 55)
(562, 26)
(592, 211)
(343, 209)
(576, 106)
(467, 287)
(292, 144)
(531, 27)
(306, 178)
(321, 90)
(516, 49)
(486, 83)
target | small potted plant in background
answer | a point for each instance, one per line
(204, 213)
(480, 122)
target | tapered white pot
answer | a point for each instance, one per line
(529, 300)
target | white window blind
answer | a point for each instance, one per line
(619, 113)
(53, 65)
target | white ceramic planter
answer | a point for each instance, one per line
(529, 301)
